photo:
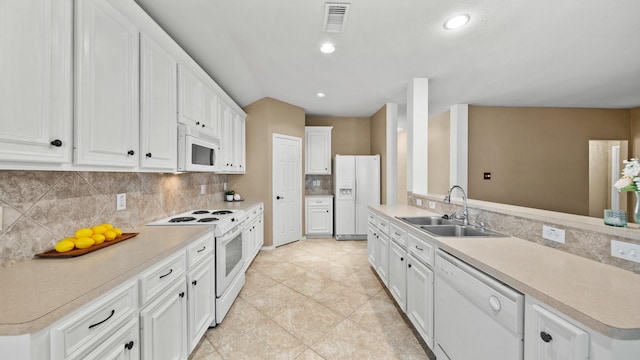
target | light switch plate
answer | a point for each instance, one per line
(432, 204)
(624, 250)
(419, 202)
(224, 186)
(203, 189)
(121, 202)
(553, 234)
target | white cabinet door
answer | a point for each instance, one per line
(106, 122)
(201, 300)
(398, 274)
(163, 325)
(318, 150)
(420, 298)
(123, 345)
(35, 86)
(158, 86)
(549, 337)
(382, 257)
(190, 104)
(210, 122)
(319, 220)
(239, 128)
(226, 139)
(372, 242)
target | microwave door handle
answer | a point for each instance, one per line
(211, 157)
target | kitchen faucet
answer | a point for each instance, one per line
(465, 212)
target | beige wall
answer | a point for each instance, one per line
(438, 153)
(402, 167)
(264, 118)
(378, 136)
(538, 157)
(349, 136)
(635, 133)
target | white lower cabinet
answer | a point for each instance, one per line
(163, 325)
(382, 257)
(201, 300)
(398, 274)
(550, 337)
(123, 345)
(372, 233)
(420, 298)
(319, 215)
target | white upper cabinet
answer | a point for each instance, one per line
(35, 86)
(233, 137)
(198, 104)
(318, 150)
(106, 86)
(239, 136)
(158, 100)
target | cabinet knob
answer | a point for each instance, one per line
(194, 282)
(56, 143)
(203, 125)
(327, 210)
(129, 345)
(546, 337)
(409, 265)
(401, 259)
(148, 155)
(197, 122)
(181, 294)
(131, 152)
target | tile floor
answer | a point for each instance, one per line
(313, 299)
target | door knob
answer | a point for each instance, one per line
(148, 155)
(279, 197)
(56, 143)
(130, 152)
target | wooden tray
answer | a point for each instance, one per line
(79, 252)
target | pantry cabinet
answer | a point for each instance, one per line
(319, 215)
(106, 119)
(35, 90)
(158, 104)
(318, 150)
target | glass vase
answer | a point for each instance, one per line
(636, 210)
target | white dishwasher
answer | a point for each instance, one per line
(476, 316)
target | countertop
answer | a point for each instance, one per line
(600, 296)
(38, 292)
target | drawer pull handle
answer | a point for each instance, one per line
(181, 294)
(167, 274)
(201, 250)
(546, 337)
(397, 234)
(129, 345)
(98, 323)
(419, 248)
(194, 282)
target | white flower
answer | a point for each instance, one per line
(625, 181)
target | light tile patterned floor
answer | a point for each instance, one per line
(313, 299)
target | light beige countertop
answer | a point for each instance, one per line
(319, 195)
(38, 292)
(600, 296)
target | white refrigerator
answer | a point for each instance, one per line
(356, 185)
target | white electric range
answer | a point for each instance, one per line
(229, 251)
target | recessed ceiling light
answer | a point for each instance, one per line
(321, 94)
(456, 22)
(327, 48)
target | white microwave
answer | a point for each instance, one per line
(197, 151)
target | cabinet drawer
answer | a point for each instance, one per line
(319, 201)
(383, 225)
(156, 279)
(398, 235)
(82, 331)
(372, 218)
(421, 249)
(199, 250)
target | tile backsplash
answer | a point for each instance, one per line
(586, 243)
(324, 185)
(42, 207)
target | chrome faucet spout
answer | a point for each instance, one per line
(465, 213)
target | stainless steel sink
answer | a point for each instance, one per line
(459, 231)
(426, 220)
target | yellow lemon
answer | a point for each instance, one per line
(84, 242)
(72, 239)
(98, 238)
(118, 231)
(84, 232)
(107, 225)
(109, 235)
(64, 245)
(99, 229)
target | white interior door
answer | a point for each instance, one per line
(287, 195)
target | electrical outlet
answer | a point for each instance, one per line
(203, 189)
(224, 186)
(1, 219)
(624, 250)
(553, 234)
(432, 204)
(121, 202)
(419, 202)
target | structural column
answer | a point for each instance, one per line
(459, 145)
(417, 134)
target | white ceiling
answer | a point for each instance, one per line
(569, 53)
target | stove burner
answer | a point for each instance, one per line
(209, 219)
(221, 212)
(198, 212)
(182, 219)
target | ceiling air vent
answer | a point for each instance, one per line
(335, 17)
